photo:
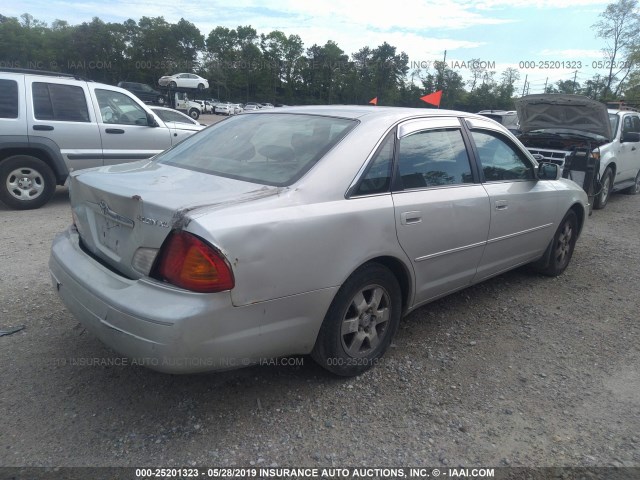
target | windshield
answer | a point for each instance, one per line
(273, 149)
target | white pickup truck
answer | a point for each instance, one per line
(183, 104)
(554, 125)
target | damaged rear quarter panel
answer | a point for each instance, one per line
(282, 246)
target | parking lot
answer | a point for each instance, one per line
(522, 370)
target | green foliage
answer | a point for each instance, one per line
(242, 65)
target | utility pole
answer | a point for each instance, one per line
(444, 66)
(545, 85)
(524, 87)
(575, 74)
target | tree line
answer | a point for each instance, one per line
(243, 65)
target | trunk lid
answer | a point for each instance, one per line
(120, 209)
(563, 112)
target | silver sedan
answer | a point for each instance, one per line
(310, 230)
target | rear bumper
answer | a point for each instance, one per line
(176, 331)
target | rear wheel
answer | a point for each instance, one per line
(193, 113)
(26, 182)
(635, 189)
(606, 184)
(160, 100)
(173, 84)
(201, 86)
(560, 250)
(360, 323)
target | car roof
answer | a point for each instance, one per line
(369, 112)
(621, 110)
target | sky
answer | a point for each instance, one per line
(502, 33)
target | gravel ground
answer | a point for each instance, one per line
(522, 370)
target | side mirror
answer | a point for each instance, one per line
(630, 137)
(151, 121)
(549, 171)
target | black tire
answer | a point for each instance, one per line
(193, 113)
(606, 185)
(26, 182)
(173, 85)
(559, 252)
(201, 86)
(635, 189)
(360, 323)
(160, 100)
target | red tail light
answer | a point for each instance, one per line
(188, 262)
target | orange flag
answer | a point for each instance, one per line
(433, 98)
(374, 101)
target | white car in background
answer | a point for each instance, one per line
(181, 125)
(184, 80)
(206, 106)
(225, 109)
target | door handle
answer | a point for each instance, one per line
(407, 218)
(114, 130)
(43, 127)
(501, 205)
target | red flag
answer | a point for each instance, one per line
(433, 98)
(374, 101)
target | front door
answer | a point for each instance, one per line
(126, 134)
(522, 207)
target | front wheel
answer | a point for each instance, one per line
(606, 184)
(26, 182)
(193, 113)
(560, 250)
(360, 323)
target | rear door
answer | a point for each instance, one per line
(60, 114)
(124, 128)
(522, 207)
(12, 109)
(441, 210)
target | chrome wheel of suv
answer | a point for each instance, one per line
(26, 182)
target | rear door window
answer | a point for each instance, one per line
(53, 101)
(434, 158)
(377, 177)
(8, 99)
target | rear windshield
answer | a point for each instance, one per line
(271, 149)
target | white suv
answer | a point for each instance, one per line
(554, 125)
(53, 123)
